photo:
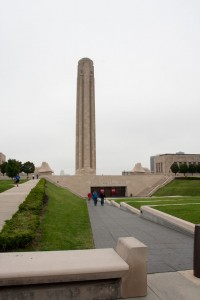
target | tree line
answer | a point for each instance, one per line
(184, 168)
(12, 167)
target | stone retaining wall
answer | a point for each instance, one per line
(75, 275)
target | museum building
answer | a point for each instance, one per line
(162, 163)
(2, 158)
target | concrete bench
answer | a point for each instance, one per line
(78, 274)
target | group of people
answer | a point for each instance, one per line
(95, 197)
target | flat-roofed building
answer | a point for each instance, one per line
(162, 163)
(2, 158)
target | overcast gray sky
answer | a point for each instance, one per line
(146, 56)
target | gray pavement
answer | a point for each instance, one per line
(12, 198)
(168, 250)
(170, 253)
(172, 286)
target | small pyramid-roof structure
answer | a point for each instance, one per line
(138, 168)
(45, 169)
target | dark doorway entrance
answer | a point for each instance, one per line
(110, 191)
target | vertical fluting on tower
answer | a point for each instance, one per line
(85, 119)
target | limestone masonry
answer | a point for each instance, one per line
(2, 158)
(161, 163)
(85, 119)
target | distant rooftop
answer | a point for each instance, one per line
(178, 153)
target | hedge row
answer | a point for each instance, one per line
(21, 229)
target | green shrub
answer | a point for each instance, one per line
(21, 229)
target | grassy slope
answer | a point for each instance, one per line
(190, 213)
(161, 201)
(8, 184)
(65, 224)
(189, 189)
(182, 187)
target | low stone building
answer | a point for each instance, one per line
(162, 163)
(140, 184)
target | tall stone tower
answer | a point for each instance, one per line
(85, 119)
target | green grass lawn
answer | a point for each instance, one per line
(190, 212)
(186, 207)
(65, 222)
(181, 187)
(8, 184)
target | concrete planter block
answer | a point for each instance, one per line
(134, 253)
(169, 221)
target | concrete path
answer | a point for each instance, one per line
(168, 250)
(170, 253)
(12, 198)
(172, 286)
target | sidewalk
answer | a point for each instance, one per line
(12, 198)
(172, 286)
(170, 253)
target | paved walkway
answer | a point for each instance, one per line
(168, 250)
(12, 198)
(170, 253)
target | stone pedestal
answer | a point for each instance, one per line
(134, 253)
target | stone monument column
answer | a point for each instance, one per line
(85, 119)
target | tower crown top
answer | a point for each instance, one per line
(85, 59)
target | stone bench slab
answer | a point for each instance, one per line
(21, 268)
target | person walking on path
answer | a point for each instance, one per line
(17, 178)
(89, 196)
(95, 197)
(102, 196)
